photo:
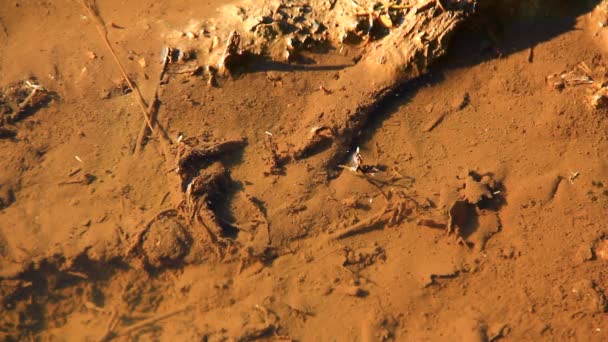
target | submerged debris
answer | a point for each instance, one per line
(193, 154)
(20, 99)
(203, 182)
(596, 79)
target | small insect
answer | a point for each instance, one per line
(355, 161)
(355, 164)
(164, 54)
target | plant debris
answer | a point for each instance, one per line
(20, 99)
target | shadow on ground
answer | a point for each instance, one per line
(496, 30)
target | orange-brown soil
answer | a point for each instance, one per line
(480, 215)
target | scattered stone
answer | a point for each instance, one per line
(599, 100)
(232, 53)
(363, 257)
(474, 191)
(142, 62)
(601, 249)
(121, 87)
(105, 94)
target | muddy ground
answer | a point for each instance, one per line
(482, 202)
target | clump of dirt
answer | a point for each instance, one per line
(363, 257)
(166, 242)
(473, 216)
(475, 191)
(282, 30)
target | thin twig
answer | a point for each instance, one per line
(367, 177)
(152, 111)
(370, 222)
(373, 182)
(28, 99)
(429, 126)
(90, 7)
(363, 226)
(254, 202)
(109, 331)
(162, 201)
(130, 329)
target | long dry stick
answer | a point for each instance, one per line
(363, 226)
(90, 7)
(368, 223)
(109, 331)
(128, 330)
(371, 222)
(152, 110)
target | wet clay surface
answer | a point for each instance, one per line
(474, 208)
